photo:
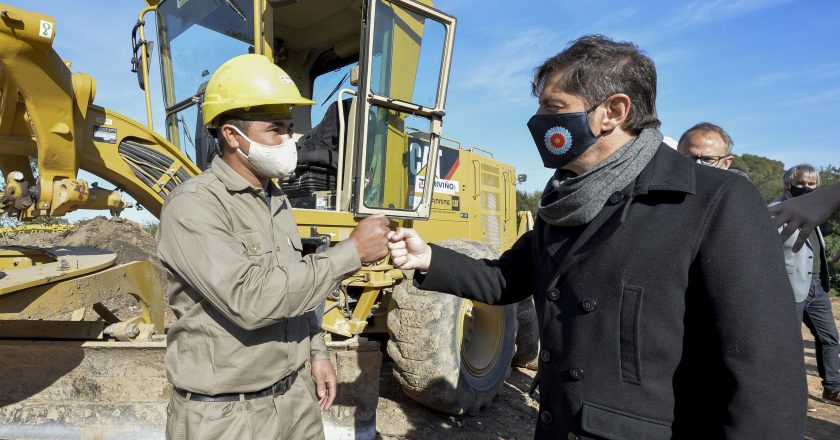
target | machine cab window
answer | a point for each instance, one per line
(370, 140)
(406, 57)
(196, 37)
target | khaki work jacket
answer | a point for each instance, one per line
(242, 294)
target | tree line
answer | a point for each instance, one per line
(766, 174)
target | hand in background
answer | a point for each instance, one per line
(325, 382)
(408, 250)
(371, 238)
(805, 213)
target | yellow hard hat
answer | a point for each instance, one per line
(246, 82)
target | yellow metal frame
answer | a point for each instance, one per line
(55, 121)
(144, 63)
(51, 296)
(406, 51)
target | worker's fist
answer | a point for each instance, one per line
(408, 250)
(371, 238)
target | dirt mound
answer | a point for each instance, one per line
(123, 237)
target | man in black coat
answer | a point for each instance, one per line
(660, 284)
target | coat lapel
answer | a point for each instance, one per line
(595, 233)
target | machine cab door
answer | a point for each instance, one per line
(405, 59)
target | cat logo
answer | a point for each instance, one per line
(456, 203)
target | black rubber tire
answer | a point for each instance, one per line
(428, 364)
(527, 335)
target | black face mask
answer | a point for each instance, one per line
(561, 138)
(798, 191)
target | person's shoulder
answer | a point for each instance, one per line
(716, 178)
(199, 189)
(719, 185)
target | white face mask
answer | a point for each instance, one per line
(271, 161)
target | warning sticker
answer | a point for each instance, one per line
(46, 29)
(104, 134)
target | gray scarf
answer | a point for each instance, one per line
(575, 200)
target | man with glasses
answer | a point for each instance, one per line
(707, 144)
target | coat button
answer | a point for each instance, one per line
(553, 294)
(616, 197)
(545, 416)
(576, 373)
(589, 305)
(572, 436)
(545, 356)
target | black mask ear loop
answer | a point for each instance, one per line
(603, 133)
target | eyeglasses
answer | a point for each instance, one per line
(711, 160)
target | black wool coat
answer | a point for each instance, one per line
(669, 316)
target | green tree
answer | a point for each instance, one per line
(766, 174)
(830, 175)
(151, 227)
(527, 201)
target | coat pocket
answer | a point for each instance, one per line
(615, 424)
(631, 307)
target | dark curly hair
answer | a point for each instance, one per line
(595, 67)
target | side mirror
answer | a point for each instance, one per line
(354, 76)
(137, 57)
(521, 178)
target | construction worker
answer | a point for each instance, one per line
(245, 356)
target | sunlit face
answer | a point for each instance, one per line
(554, 100)
(706, 146)
(269, 133)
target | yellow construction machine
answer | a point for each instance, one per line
(373, 144)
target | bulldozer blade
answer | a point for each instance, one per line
(117, 390)
(82, 390)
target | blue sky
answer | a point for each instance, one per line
(768, 71)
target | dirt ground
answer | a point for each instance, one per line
(513, 413)
(824, 424)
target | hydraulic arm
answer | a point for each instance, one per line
(47, 113)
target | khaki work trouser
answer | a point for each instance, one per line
(294, 415)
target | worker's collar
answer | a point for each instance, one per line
(233, 181)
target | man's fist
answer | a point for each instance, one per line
(371, 238)
(408, 250)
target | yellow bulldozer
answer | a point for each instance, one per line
(373, 145)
